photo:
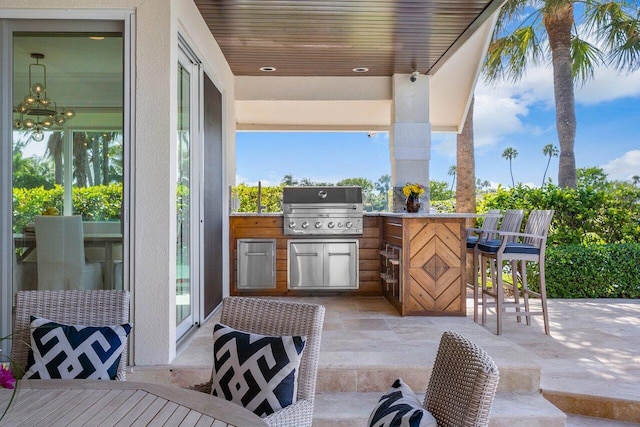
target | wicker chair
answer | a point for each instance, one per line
(463, 383)
(76, 307)
(278, 318)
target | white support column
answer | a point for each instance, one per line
(410, 137)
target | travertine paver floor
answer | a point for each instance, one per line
(594, 347)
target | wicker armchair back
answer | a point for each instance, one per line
(72, 307)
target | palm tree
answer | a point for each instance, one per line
(510, 153)
(551, 151)
(466, 168)
(517, 41)
(453, 170)
(635, 179)
(288, 180)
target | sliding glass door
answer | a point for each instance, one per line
(187, 190)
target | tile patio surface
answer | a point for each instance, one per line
(593, 350)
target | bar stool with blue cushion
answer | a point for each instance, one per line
(511, 222)
(474, 235)
(514, 247)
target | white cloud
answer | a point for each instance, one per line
(608, 85)
(624, 167)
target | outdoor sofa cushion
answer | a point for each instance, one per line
(258, 372)
(400, 407)
(74, 351)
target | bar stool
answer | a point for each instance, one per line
(474, 235)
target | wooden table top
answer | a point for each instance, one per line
(118, 403)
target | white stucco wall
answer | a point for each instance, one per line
(154, 152)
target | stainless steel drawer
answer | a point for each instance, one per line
(328, 264)
(256, 264)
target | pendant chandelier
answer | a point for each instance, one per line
(38, 113)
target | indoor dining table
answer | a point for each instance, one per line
(118, 403)
(91, 240)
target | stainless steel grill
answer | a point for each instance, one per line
(322, 211)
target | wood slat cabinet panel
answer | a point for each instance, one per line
(271, 227)
(432, 264)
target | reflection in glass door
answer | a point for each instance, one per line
(186, 192)
(67, 159)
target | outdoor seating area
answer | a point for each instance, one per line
(585, 366)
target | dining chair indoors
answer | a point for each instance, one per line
(518, 249)
(278, 318)
(61, 257)
(93, 308)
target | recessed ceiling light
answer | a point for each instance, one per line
(360, 70)
(267, 69)
(96, 37)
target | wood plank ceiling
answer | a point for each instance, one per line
(332, 37)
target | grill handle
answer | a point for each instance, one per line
(307, 254)
(339, 254)
(255, 253)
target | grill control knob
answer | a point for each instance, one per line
(305, 224)
(348, 224)
(339, 225)
(318, 224)
(331, 225)
(292, 224)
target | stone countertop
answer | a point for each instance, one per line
(422, 215)
(385, 214)
(255, 214)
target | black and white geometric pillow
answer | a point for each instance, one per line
(74, 351)
(400, 407)
(256, 371)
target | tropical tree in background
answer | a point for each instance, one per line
(453, 170)
(523, 26)
(635, 179)
(466, 168)
(510, 153)
(549, 150)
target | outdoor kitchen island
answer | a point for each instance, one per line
(417, 261)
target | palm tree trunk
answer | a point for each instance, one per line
(546, 170)
(513, 183)
(466, 168)
(558, 25)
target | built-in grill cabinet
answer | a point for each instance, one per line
(256, 264)
(323, 264)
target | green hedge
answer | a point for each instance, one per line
(591, 271)
(97, 203)
(607, 214)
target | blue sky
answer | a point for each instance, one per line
(520, 115)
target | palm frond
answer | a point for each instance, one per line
(508, 56)
(585, 57)
(616, 25)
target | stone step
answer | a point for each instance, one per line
(374, 371)
(509, 410)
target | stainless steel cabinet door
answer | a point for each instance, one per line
(256, 264)
(341, 265)
(305, 265)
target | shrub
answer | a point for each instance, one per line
(607, 213)
(590, 271)
(97, 203)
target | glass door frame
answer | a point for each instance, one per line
(73, 21)
(189, 61)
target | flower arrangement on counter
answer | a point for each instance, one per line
(415, 189)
